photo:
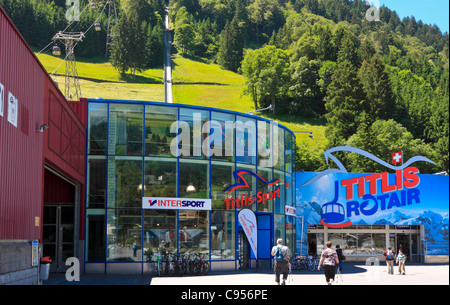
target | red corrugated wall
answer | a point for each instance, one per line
(23, 151)
(21, 148)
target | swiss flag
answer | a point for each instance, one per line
(397, 157)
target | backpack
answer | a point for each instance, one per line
(279, 255)
(390, 254)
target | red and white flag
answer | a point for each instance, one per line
(397, 157)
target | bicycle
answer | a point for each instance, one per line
(158, 264)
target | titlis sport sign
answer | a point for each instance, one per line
(168, 203)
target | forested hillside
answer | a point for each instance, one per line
(382, 86)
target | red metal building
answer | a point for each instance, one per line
(42, 163)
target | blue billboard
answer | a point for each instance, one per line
(338, 200)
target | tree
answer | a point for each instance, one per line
(345, 102)
(231, 49)
(128, 44)
(267, 75)
(305, 88)
(376, 85)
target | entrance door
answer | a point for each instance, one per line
(58, 235)
(403, 243)
(243, 251)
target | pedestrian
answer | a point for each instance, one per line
(390, 255)
(281, 261)
(341, 256)
(329, 259)
(401, 259)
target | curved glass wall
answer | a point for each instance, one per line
(135, 151)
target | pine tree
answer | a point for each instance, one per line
(345, 102)
(377, 88)
(231, 49)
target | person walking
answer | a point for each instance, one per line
(390, 255)
(341, 256)
(281, 256)
(401, 259)
(329, 259)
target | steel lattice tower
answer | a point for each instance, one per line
(72, 89)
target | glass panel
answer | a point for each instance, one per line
(336, 239)
(67, 251)
(96, 183)
(265, 149)
(125, 129)
(379, 243)
(158, 137)
(124, 182)
(50, 214)
(243, 193)
(95, 235)
(288, 152)
(97, 128)
(278, 147)
(124, 231)
(265, 205)
(67, 215)
(414, 244)
(349, 243)
(364, 244)
(222, 136)
(160, 177)
(194, 179)
(288, 185)
(279, 188)
(221, 178)
(279, 228)
(194, 231)
(49, 234)
(223, 235)
(195, 119)
(159, 225)
(67, 234)
(245, 140)
(290, 233)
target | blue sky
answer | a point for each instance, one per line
(429, 11)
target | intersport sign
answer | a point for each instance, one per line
(170, 203)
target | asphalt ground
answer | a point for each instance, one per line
(352, 274)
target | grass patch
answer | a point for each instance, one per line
(98, 68)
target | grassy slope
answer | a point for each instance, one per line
(195, 83)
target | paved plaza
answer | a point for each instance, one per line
(353, 274)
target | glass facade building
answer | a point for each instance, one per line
(134, 151)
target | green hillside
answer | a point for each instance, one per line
(195, 83)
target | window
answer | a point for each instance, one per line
(125, 129)
(159, 225)
(246, 192)
(266, 174)
(158, 120)
(194, 231)
(195, 120)
(349, 241)
(364, 244)
(97, 128)
(124, 182)
(222, 235)
(245, 140)
(222, 136)
(160, 177)
(221, 178)
(96, 182)
(194, 178)
(124, 231)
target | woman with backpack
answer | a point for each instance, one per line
(281, 256)
(390, 255)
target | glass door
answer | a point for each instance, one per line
(58, 235)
